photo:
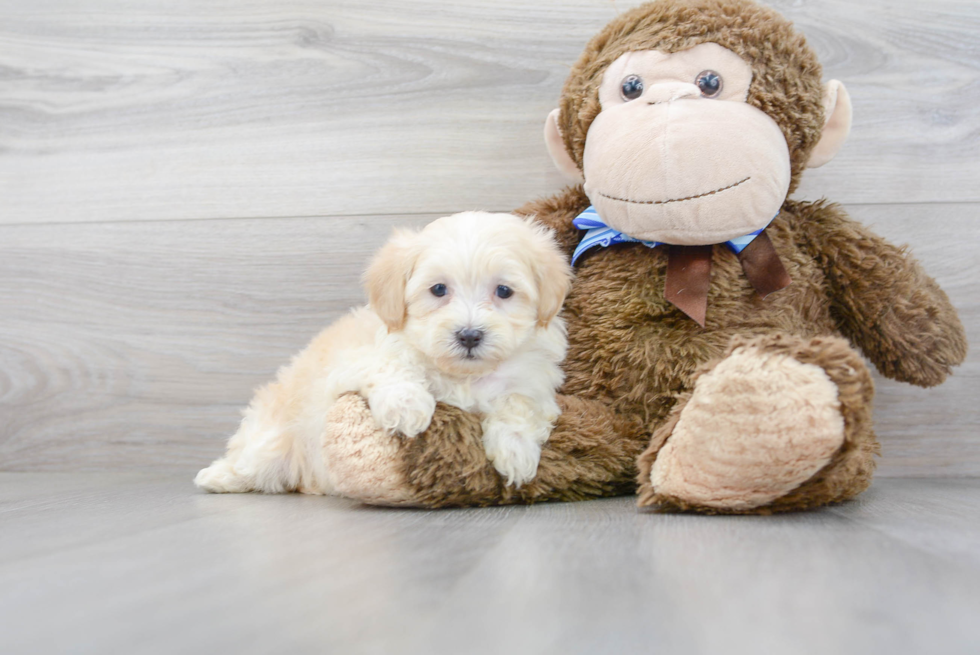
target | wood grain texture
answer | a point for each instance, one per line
(137, 343)
(110, 563)
(113, 110)
(134, 345)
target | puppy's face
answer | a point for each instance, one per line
(469, 289)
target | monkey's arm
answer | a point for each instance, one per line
(590, 454)
(558, 212)
(882, 299)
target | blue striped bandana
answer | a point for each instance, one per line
(598, 234)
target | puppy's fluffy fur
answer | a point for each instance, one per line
(404, 352)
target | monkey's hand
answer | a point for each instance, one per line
(883, 300)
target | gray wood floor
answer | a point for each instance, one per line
(121, 563)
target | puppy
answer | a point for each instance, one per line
(462, 312)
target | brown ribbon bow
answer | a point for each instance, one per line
(689, 274)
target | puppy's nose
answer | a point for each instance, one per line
(469, 338)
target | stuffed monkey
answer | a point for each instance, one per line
(714, 325)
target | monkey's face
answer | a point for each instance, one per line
(676, 155)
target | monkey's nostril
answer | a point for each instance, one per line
(469, 338)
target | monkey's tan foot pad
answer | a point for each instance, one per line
(756, 426)
(362, 460)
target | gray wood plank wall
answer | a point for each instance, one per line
(189, 190)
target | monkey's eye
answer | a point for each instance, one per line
(632, 87)
(709, 82)
(504, 292)
(438, 290)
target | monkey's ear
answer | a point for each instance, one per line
(387, 276)
(556, 148)
(837, 125)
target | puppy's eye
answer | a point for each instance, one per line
(438, 290)
(632, 87)
(709, 82)
(504, 292)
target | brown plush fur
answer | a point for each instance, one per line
(632, 352)
(595, 457)
(633, 357)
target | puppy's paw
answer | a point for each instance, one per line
(221, 478)
(402, 407)
(514, 456)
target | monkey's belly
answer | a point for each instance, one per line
(630, 348)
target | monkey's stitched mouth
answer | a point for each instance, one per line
(664, 202)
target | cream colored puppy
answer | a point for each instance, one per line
(463, 312)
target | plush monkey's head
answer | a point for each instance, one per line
(690, 121)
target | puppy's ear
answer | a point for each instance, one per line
(386, 277)
(552, 273)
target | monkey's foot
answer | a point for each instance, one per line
(763, 424)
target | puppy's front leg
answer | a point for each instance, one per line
(396, 391)
(402, 406)
(513, 432)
